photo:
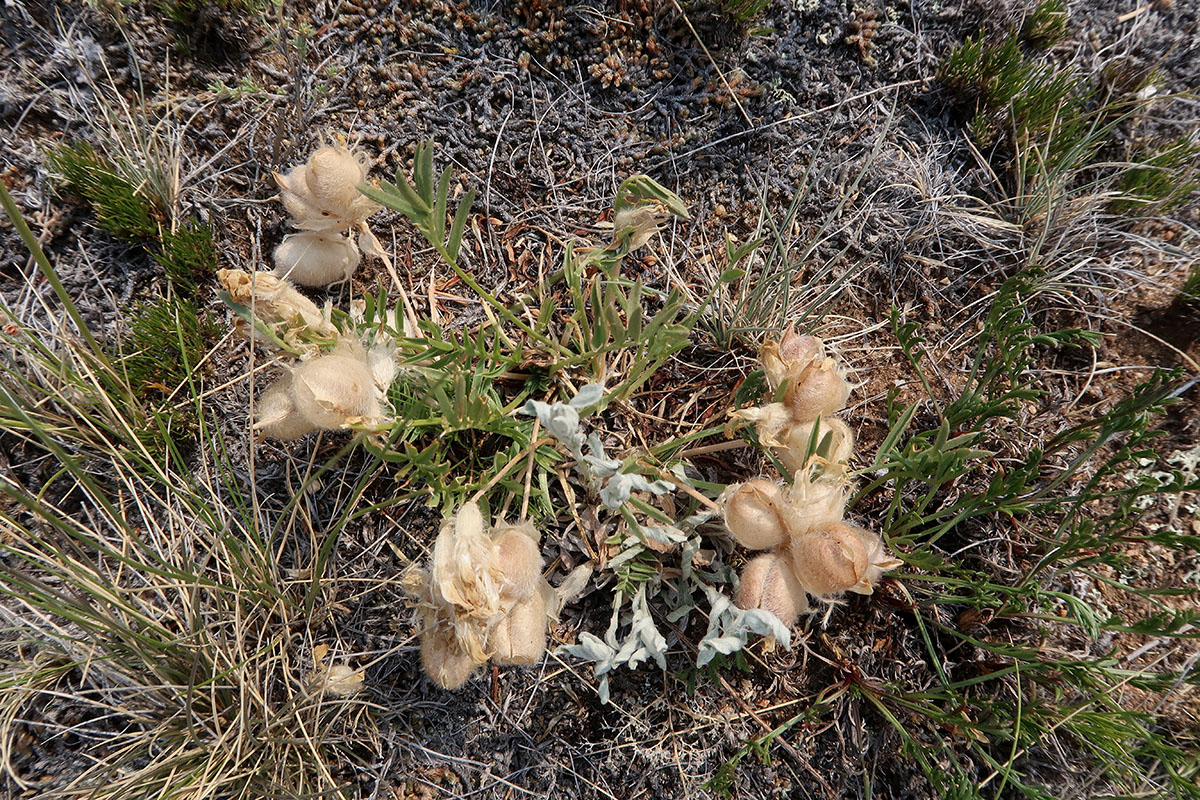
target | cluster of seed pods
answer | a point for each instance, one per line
(327, 390)
(812, 549)
(322, 198)
(483, 597)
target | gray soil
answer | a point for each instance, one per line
(544, 107)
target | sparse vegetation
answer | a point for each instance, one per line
(471, 519)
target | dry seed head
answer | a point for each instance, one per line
(520, 637)
(752, 514)
(769, 582)
(816, 390)
(316, 259)
(445, 662)
(463, 555)
(518, 562)
(332, 391)
(794, 441)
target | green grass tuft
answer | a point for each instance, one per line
(120, 207)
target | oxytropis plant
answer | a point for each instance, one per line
(813, 550)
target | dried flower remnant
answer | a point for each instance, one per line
(293, 318)
(482, 597)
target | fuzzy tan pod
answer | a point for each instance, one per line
(520, 637)
(791, 354)
(316, 259)
(839, 557)
(752, 514)
(834, 444)
(769, 583)
(518, 562)
(322, 194)
(333, 391)
(277, 414)
(445, 661)
(817, 390)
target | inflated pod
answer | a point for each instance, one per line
(520, 637)
(769, 583)
(333, 390)
(817, 390)
(277, 414)
(445, 662)
(839, 557)
(791, 354)
(316, 259)
(752, 514)
(322, 194)
(518, 561)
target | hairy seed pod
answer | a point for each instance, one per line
(817, 390)
(333, 390)
(520, 637)
(518, 562)
(752, 514)
(447, 664)
(769, 583)
(275, 300)
(316, 259)
(322, 194)
(839, 557)
(791, 354)
(797, 438)
(277, 414)
(333, 176)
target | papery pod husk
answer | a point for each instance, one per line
(769, 583)
(334, 390)
(520, 637)
(316, 259)
(752, 514)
